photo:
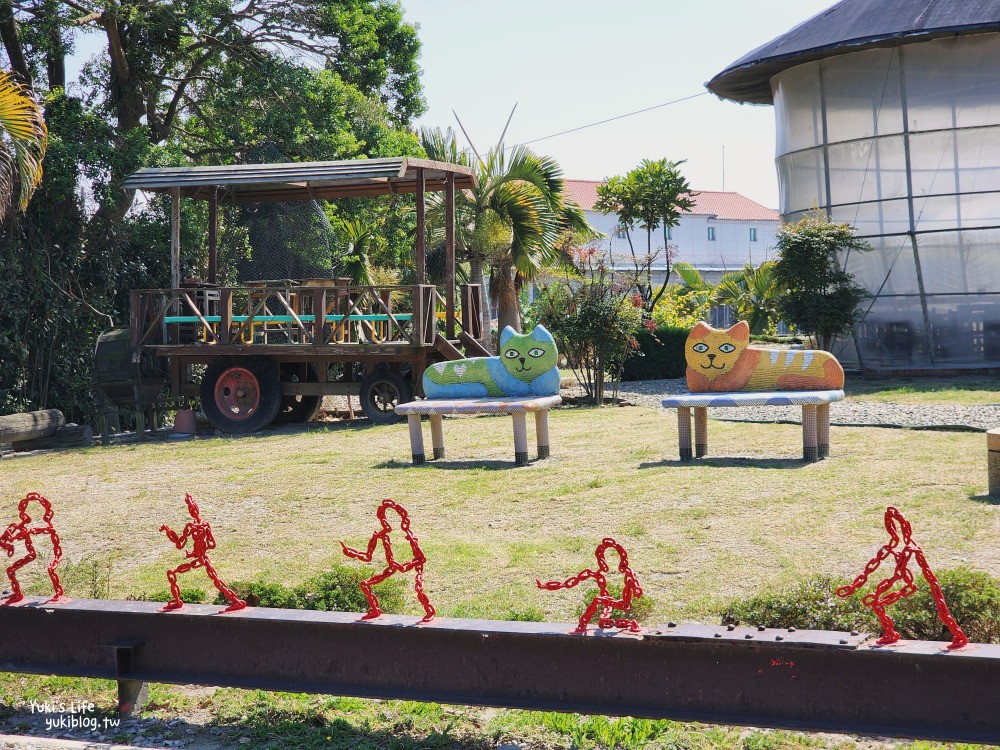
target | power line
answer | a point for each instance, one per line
(617, 117)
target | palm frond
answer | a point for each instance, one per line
(23, 139)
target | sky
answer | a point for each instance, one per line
(569, 63)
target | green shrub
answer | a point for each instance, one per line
(188, 596)
(973, 598)
(335, 590)
(660, 354)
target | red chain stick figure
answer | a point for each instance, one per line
(604, 600)
(200, 533)
(392, 566)
(22, 532)
(900, 531)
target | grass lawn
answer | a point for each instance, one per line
(753, 516)
(963, 391)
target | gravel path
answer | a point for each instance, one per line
(848, 412)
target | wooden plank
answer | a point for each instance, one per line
(449, 257)
(175, 238)
(420, 248)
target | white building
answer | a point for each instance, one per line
(722, 233)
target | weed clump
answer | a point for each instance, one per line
(973, 598)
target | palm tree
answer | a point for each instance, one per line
(511, 220)
(23, 138)
(752, 293)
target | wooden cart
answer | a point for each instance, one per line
(272, 349)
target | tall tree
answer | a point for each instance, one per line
(511, 220)
(189, 81)
(652, 196)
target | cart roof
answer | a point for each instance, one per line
(258, 183)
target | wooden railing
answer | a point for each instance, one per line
(288, 313)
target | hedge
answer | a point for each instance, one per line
(660, 354)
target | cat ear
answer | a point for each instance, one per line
(541, 333)
(701, 330)
(506, 334)
(740, 331)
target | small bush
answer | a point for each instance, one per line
(973, 599)
(188, 596)
(660, 354)
(336, 590)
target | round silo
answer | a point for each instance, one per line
(888, 118)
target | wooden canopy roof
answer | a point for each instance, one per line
(262, 183)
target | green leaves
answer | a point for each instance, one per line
(821, 298)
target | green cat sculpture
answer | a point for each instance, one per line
(526, 367)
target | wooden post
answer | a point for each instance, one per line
(520, 439)
(993, 460)
(213, 233)
(542, 432)
(810, 452)
(437, 434)
(416, 438)
(225, 315)
(823, 430)
(700, 431)
(449, 257)
(420, 247)
(684, 432)
(175, 238)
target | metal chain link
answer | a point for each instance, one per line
(22, 532)
(606, 602)
(392, 566)
(882, 597)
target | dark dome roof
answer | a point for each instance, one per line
(850, 26)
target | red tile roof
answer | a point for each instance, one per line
(707, 202)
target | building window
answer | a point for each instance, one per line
(753, 234)
(711, 234)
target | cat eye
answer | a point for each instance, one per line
(726, 348)
(512, 354)
(700, 347)
(536, 352)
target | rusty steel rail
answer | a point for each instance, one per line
(806, 680)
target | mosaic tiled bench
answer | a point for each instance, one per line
(815, 416)
(436, 408)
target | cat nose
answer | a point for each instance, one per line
(711, 357)
(522, 361)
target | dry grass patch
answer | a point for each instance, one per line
(751, 516)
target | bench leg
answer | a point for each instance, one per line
(823, 430)
(542, 433)
(416, 438)
(700, 431)
(520, 439)
(437, 434)
(684, 432)
(809, 450)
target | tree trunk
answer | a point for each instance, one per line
(504, 292)
(476, 277)
(36, 424)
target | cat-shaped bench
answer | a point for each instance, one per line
(523, 378)
(724, 370)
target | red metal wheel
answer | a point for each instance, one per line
(237, 393)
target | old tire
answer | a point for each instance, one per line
(380, 392)
(298, 409)
(241, 395)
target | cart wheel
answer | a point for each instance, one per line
(241, 395)
(298, 409)
(380, 392)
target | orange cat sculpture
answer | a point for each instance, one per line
(723, 360)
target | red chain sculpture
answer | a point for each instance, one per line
(630, 589)
(901, 548)
(392, 566)
(200, 533)
(22, 532)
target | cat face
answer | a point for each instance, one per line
(527, 355)
(713, 352)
